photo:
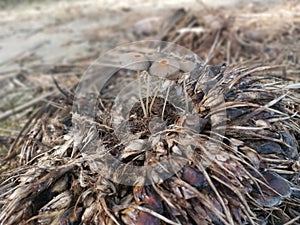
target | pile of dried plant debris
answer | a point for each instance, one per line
(254, 178)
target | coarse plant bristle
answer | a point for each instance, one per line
(254, 172)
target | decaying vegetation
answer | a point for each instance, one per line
(254, 177)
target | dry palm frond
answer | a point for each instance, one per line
(254, 171)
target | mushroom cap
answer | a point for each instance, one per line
(166, 68)
(134, 61)
(186, 65)
(153, 56)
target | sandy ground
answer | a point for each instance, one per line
(61, 32)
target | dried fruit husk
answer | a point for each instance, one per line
(227, 190)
